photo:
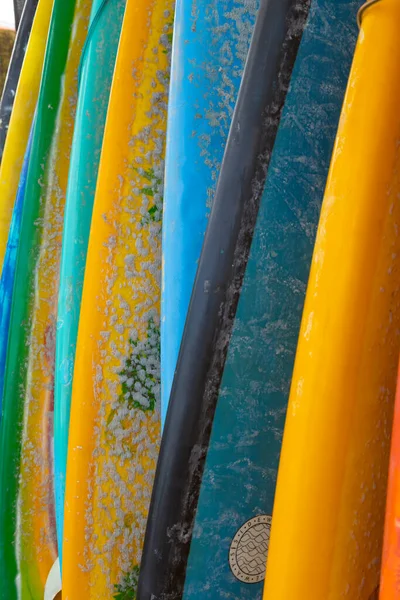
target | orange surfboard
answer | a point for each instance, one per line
(390, 576)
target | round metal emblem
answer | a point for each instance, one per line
(249, 549)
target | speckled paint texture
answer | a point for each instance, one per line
(241, 467)
(211, 40)
(95, 77)
(115, 412)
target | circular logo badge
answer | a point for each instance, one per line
(249, 549)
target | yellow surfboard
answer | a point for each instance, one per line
(21, 118)
(327, 525)
(115, 413)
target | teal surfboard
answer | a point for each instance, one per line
(95, 77)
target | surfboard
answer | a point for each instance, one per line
(8, 272)
(14, 69)
(18, 11)
(211, 41)
(96, 71)
(216, 476)
(115, 410)
(326, 538)
(389, 587)
(28, 544)
(21, 119)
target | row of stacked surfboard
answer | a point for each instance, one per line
(200, 301)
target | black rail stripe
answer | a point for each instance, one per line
(262, 94)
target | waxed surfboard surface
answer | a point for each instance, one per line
(21, 118)
(273, 50)
(115, 412)
(209, 52)
(231, 532)
(8, 272)
(326, 538)
(96, 70)
(28, 547)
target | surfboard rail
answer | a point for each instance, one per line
(262, 93)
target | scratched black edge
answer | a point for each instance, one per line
(14, 69)
(276, 39)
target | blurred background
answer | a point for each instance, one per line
(7, 36)
(7, 14)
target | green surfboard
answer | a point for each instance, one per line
(28, 544)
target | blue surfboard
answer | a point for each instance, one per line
(211, 511)
(95, 78)
(10, 259)
(210, 44)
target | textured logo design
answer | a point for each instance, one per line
(249, 549)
